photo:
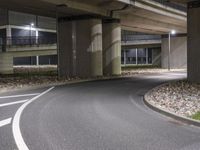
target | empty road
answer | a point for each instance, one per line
(99, 115)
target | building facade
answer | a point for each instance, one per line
(26, 39)
(141, 49)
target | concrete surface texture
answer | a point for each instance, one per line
(178, 54)
(80, 43)
(194, 43)
(6, 59)
(111, 49)
(95, 116)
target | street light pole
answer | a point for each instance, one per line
(173, 32)
(169, 51)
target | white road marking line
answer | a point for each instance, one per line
(5, 122)
(13, 103)
(16, 122)
(15, 96)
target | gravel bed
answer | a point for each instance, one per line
(180, 97)
(131, 72)
(20, 82)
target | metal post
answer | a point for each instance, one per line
(136, 56)
(146, 50)
(124, 57)
(169, 52)
(37, 61)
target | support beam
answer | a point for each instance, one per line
(80, 43)
(112, 48)
(194, 41)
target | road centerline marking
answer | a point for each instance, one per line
(13, 103)
(22, 95)
(5, 122)
(16, 122)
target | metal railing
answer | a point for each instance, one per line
(27, 41)
(131, 38)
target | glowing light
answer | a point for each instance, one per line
(173, 32)
(32, 24)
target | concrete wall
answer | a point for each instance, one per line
(156, 57)
(194, 42)
(6, 63)
(6, 58)
(178, 55)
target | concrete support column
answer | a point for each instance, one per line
(112, 48)
(8, 35)
(6, 63)
(80, 52)
(178, 52)
(194, 41)
(37, 61)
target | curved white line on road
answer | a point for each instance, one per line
(16, 122)
(5, 122)
(15, 96)
(13, 103)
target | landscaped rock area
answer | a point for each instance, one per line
(131, 72)
(9, 83)
(181, 97)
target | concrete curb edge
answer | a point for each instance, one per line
(168, 113)
(55, 84)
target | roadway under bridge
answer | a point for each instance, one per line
(89, 32)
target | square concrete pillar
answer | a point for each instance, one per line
(178, 53)
(80, 48)
(112, 48)
(194, 41)
(6, 63)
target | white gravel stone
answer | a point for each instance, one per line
(182, 97)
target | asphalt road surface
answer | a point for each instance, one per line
(99, 115)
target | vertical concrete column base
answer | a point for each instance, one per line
(6, 63)
(80, 48)
(112, 48)
(194, 41)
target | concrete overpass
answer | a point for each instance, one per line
(140, 15)
(90, 31)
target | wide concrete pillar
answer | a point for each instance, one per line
(178, 52)
(112, 48)
(6, 63)
(194, 41)
(80, 48)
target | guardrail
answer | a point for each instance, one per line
(26, 40)
(130, 38)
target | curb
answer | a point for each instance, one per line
(2, 91)
(168, 113)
